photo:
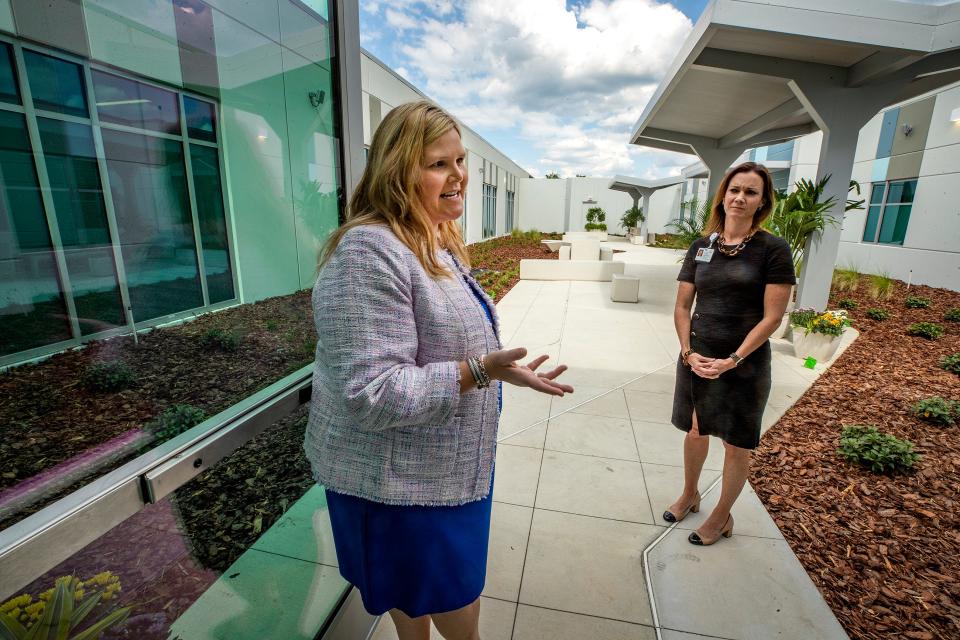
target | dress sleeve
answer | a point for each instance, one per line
(363, 311)
(689, 269)
(779, 264)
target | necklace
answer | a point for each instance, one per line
(737, 249)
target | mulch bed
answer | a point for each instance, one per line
(496, 263)
(884, 550)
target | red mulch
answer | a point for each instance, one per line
(500, 258)
(884, 550)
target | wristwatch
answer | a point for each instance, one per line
(736, 359)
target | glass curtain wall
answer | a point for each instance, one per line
(159, 160)
(489, 210)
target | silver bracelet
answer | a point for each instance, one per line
(479, 372)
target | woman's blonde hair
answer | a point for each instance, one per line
(717, 214)
(389, 189)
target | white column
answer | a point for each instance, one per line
(646, 214)
(718, 161)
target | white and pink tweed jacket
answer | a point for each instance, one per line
(387, 422)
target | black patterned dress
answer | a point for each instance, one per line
(729, 304)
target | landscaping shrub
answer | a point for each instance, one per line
(937, 410)
(952, 315)
(880, 287)
(217, 339)
(847, 303)
(175, 420)
(596, 219)
(108, 376)
(845, 280)
(880, 452)
(916, 302)
(950, 363)
(877, 314)
(928, 330)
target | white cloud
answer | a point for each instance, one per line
(571, 82)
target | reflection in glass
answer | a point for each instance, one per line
(149, 188)
(876, 195)
(894, 227)
(213, 224)
(9, 92)
(82, 220)
(201, 119)
(870, 229)
(32, 310)
(56, 85)
(241, 551)
(135, 104)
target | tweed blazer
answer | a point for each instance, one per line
(387, 420)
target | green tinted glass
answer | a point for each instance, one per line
(32, 309)
(155, 228)
(82, 220)
(201, 119)
(135, 104)
(9, 92)
(57, 85)
(213, 224)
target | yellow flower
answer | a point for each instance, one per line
(926, 414)
(15, 603)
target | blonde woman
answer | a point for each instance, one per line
(740, 276)
(403, 422)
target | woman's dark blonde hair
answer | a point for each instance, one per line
(389, 189)
(717, 214)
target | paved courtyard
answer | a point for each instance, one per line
(581, 481)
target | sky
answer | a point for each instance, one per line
(555, 85)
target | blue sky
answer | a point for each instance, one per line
(556, 85)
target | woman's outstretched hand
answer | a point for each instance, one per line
(502, 365)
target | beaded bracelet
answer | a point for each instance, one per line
(479, 372)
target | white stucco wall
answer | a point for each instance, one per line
(380, 81)
(542, 203)
(664, 207)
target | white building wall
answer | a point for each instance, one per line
(380, 82)
(664, 207)
(542, 203)
(613, 203)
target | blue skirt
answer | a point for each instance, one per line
(417, 559)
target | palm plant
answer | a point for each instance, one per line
(690, 227)
(800, 213)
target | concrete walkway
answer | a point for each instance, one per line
(581, 481)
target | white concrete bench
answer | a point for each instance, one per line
(564, 252)
(606, 253)
(593, 235)
(584, 249)
(593, 270)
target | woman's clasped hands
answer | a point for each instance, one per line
(502, 365)
(709, 368)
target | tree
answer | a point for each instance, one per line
(689, 228)
(552, 175)
(596, 219)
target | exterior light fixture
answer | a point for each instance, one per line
(907, 129)
(317, 98)
(955, 115)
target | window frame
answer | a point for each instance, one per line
(31, 113)
(883, 205)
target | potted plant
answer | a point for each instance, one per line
(631, 220)
(820, 338)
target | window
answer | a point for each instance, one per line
(489, 210)
(781, 179)
(117, 217)
(780, 152)
(889, 212)
(508, 224)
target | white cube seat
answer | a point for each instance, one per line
(624, 288)
(606, 253)
(564, 252)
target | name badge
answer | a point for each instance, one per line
(704, 255)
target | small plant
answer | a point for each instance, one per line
(845, 280)
(631, 218)
(847, 303)
(950, 363)
(217, 339)
(937, 410)
(952, 315)
(596, 219)
(108, 376)
(801, 317)
(880, 286)
(877, 314)
(272, 325)
(59, 611)
(928, 330)
(830, 323)
(880, 452)
(916, 302)
(175, 420)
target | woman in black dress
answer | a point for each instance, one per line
(741, 277)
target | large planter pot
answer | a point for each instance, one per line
(814, 345)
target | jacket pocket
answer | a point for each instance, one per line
(427, 452)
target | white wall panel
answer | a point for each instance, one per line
(541, 203)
